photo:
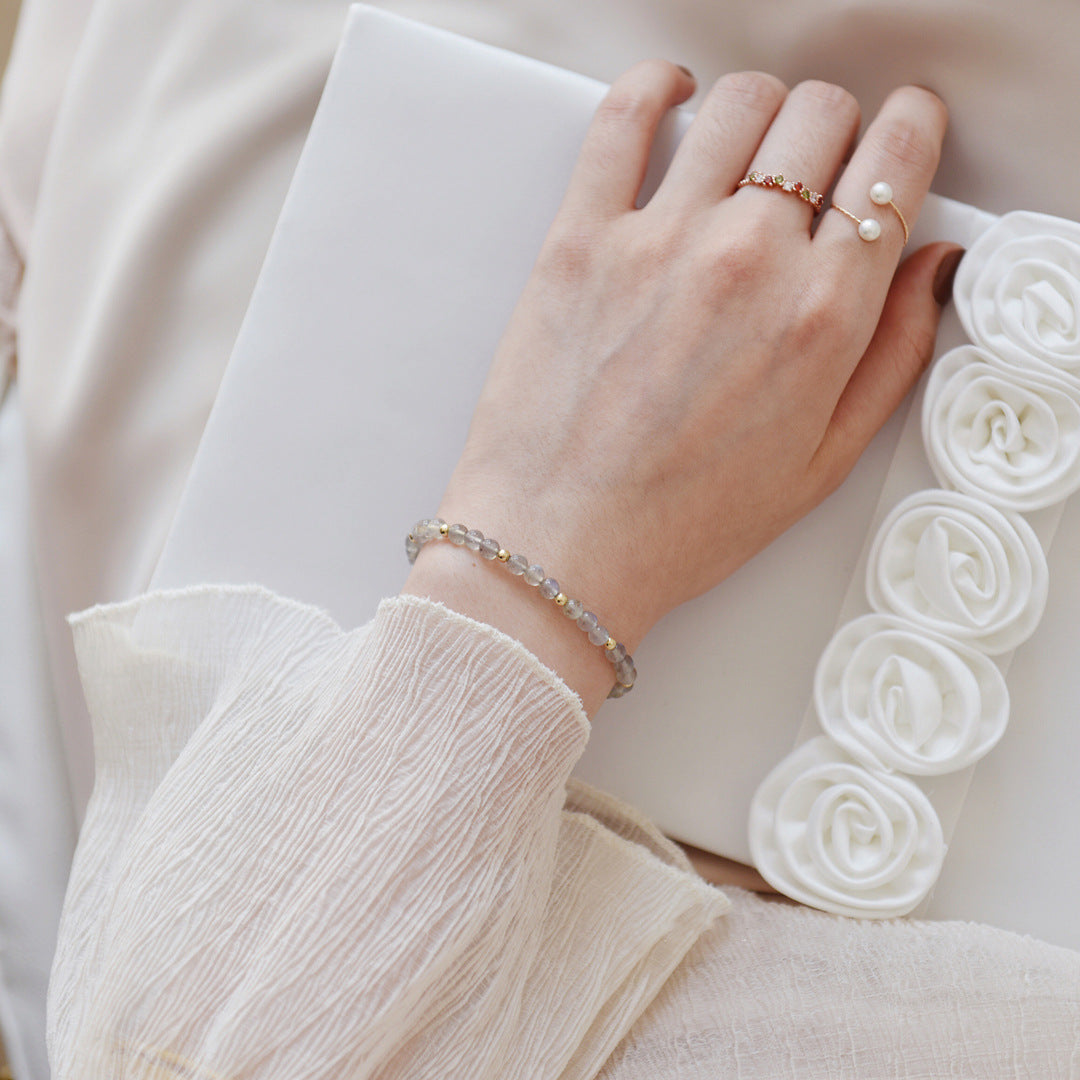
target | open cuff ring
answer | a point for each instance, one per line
(792, 187)
(881, 194)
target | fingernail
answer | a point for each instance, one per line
(686, 71)
(943, 276)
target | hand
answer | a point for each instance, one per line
(680, 383)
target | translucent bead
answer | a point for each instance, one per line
(618, 654)
(534, 575)
(456, 534)
(573, 609)
(426, 530)
(473, 539)
(412, 548)
(517, 565)
(598, 635)
(489, 548)
(625, 672)
(549, 588)
(588, 622)
(618, 690)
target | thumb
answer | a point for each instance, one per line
(900, 350)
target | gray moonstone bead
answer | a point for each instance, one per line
(517, 565)
(456, 534)
(534, 575)
(489, 548)
(473, 539)
(618, 654)
(549, 588)
(587, 622)
(598, 635)
(573, 609)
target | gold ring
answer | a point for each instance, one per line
(792, 187)
(881, 194)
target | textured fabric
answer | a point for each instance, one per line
(314, 853)
(322, 854)
(144, 150)
(776, 991)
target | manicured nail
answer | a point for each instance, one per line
(687, 72)
(943, 277)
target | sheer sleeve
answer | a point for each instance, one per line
(313, 853)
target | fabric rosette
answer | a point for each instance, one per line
(834, 835)
(1009, 436)
(895, 696)
(1017, 292)
(959, 567)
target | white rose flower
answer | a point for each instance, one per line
(1017, 292)
(1007, 435)
(896, 696)
(827, 832)
(957, 566)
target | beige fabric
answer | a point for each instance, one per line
(309, 854)
(313, 853)
(145, 148)
(152, 151)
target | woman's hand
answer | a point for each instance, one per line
(682, 382)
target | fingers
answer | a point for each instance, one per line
(615, 154)
(712, 157)
(807, 143)
(900, 350)
(900, 148)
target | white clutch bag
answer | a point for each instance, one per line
(431, 173)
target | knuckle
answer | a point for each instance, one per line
(832, 98)
(751, 89)
(568, 253)
(740, 261)
(906, 146)
(825, 316)
(626, 105)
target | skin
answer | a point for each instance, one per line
(680, 383)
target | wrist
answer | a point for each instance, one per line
(512, 596)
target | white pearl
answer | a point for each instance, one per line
(881, 193)
(869, 229)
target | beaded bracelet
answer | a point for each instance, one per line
(518, 565)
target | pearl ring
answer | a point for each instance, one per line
(881, 194)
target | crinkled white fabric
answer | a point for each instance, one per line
(831, 833)
(897, 696)
(1017, 292)
(961, 568)
(780, 992)
(1005, 434)
(312, 853)
(323, 854)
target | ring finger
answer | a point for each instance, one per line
(805, 145)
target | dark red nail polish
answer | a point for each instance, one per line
(943, 277)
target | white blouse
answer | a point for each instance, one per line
(316, 853)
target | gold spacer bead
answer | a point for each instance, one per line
(502, 555)
(444, 529)
(561, 599)
(610, 644)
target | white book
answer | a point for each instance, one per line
(434, 166)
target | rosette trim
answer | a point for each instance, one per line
(954, 565)
(995, 431)
(828, 832)
(895, 696)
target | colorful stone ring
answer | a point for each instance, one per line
(793, 187)
(870, 228)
